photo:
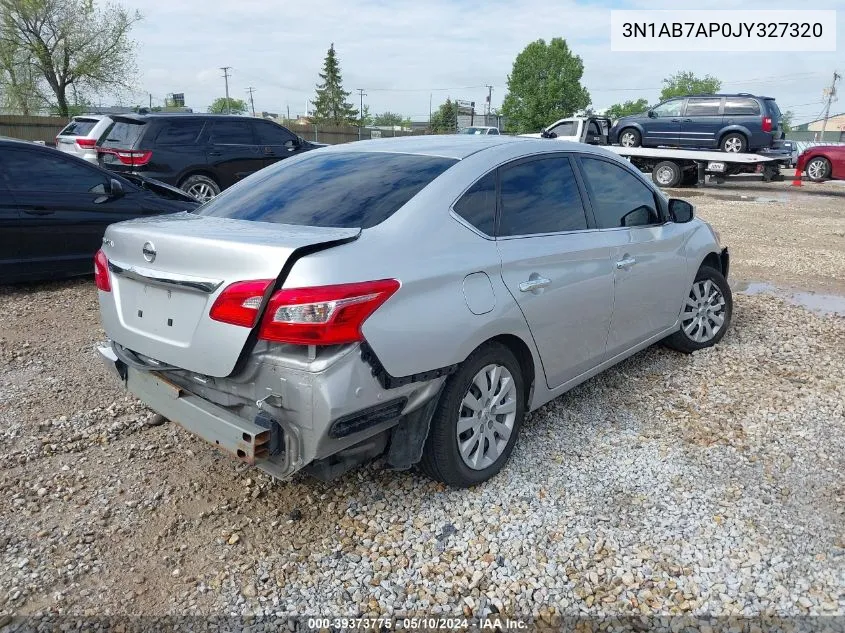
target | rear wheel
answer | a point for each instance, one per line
(203, 188)
(666, 174)
(477, 421)
(734, 143)
(706, 313)
(629, 137)
(818, 169)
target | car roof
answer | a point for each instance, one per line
(721, 94)
(19, 141)
(182, 115)
(459, 146)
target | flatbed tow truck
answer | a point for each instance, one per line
(670, 167)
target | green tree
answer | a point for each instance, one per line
(68, 47)
(388, 119)
(544, 85)
(366, 119)
(618, 110)
(686, 83)
(331, 105)
(786, 120)
(236, 106)
(444, 119)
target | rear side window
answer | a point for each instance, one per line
(540, 196)
(232, 133)
(180, 132)
(272, 134)
(478, 205)
(78, 127)
(707, 106)
(738, 106)
(123, 135)
(620, 199)
(335, 189)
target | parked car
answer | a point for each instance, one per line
(199, 153)
(733, 123)
(822, 162)
(54, 208)
(79, 137)
(791, 149)
(411, 297)
(479, 129)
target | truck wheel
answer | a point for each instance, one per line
(200, 187)
(477, 421)
(818, 169)
(734, 143)
(629, 137)
(666, 174)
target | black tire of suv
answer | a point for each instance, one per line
(825, 172)
(743, 142)
(198, 179)
(441, 460)
(638, 139)
(679, 341)
(662, 168)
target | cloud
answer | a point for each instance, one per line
(413, 48)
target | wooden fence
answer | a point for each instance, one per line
(32, 128)
(45, 128)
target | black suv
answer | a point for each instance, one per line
(733, 123)
(200, 153)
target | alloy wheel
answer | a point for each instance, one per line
(486, 417)
(733, 144)
(704, 312)
(201, 191)
(817, 169)
(628, 139)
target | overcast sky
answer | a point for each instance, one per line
(401, 51)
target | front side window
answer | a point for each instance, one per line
(620, 199)
(336, 189)
(669, 109)
(540, 196)
(232, 133)
(478, 205)
(272, 134)
(705, 106)
(48, 172)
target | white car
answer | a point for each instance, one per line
(479, 129)
(569, 129)
(79, 137)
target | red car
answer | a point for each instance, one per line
(822, 162)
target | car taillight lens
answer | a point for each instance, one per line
(324, 315)
(101, 272)
(131, 157)
(86, 143)
(240, 303)
(767, 124)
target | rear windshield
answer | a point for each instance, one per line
(774, 110)
(347, 190)
(79, 127)
(122, 135)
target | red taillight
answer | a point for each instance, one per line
(131, 157)
(86, 143)
(324, 315)
(767, 124)
(101, 272)
(240, 302)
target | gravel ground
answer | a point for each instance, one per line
(704, 484)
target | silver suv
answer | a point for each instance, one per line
(409, 298)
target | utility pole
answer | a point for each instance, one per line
(250, 90)
(361, 94)
(225, 70)
(429, 110)
(288, 108)
(489, 102)
(151, 102)
(831, 93)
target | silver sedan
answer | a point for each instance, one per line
(407, 298)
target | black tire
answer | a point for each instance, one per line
(636, 138)
(734, 142)
(441, 459)
(683, 342)
(666, 174)
(200, 183)
(820, 171)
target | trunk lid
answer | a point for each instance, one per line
(166, 273)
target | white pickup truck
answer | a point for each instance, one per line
(578, 129)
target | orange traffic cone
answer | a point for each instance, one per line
(799, 170)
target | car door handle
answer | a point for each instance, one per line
(534, 284)
(215, 153)
(38, 211)
(675, 120)
(624, 264)
(687, 120)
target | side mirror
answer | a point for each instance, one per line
(652, 114)
(115, 189)
(291, 145)
(680, 211)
